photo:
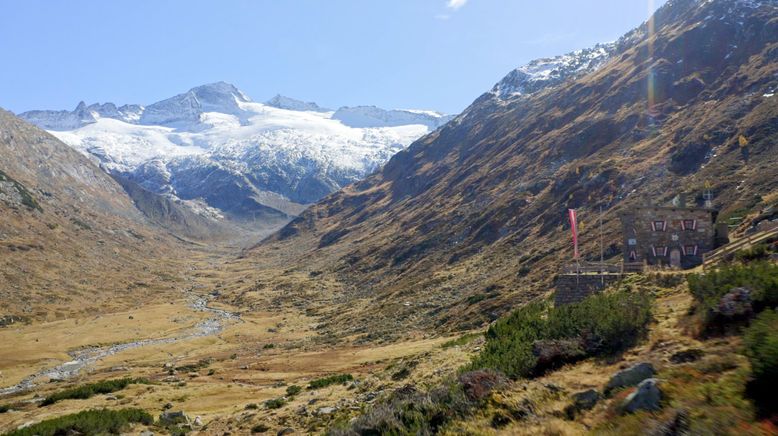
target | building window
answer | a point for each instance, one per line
(689, 250)
(659, 225)
(658, 251)
(633, 256)
(689, 225)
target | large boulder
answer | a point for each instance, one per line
(648, 396)
(630, 376)
(585, 400)
(736, 303)
(172, 418)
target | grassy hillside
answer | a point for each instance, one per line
(470, 220)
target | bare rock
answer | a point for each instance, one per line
(630, 376)
(647, 397)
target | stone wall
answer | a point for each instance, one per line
(572, 288)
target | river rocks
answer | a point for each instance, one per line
(198, 421)
(646, 397)
(630, 376)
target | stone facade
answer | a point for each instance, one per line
(572, 288)
(668, 236)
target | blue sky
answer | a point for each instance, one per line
(427, 54)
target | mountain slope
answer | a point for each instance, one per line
(246, 160)
(470, 220)
(71, 240)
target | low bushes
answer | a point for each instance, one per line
(293, 390)
(713, 291)
(336, 379)
(87, 391)
(90, 422)
(410, 411)
(537, 337)
(275, 403)
(760, 342)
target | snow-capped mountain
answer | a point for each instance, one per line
(283, 102)
(215, 145)
(371, 116)
(548, 72)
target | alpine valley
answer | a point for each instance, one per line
(210, 265)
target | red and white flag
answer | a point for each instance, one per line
(574, 226)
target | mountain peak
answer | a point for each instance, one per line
(283, 102)
(547, 72)
(219, 90)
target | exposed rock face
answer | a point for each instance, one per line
(282, 102)
(487, 192)
(648, 396)
(630, 376)
(216, 97)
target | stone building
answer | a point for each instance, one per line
(668, 236)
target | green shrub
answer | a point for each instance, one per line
(87, 391)
(275, 403)
(758, 252)
(408, 411)
(336, 379)
(4, 409)
(293, 390)
(760, 343)
(89, 422)
(252, 406)
(268, 346)
(600, 325)
(761, 278)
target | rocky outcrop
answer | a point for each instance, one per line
(648, 396)
(585, 400)
(630, 376)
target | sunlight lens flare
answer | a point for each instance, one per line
(651, 92)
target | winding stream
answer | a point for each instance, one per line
(89, 356)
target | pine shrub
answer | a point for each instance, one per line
(600, 325)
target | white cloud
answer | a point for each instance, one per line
(455, 4)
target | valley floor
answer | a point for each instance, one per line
(220, 366)
(235, 366)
